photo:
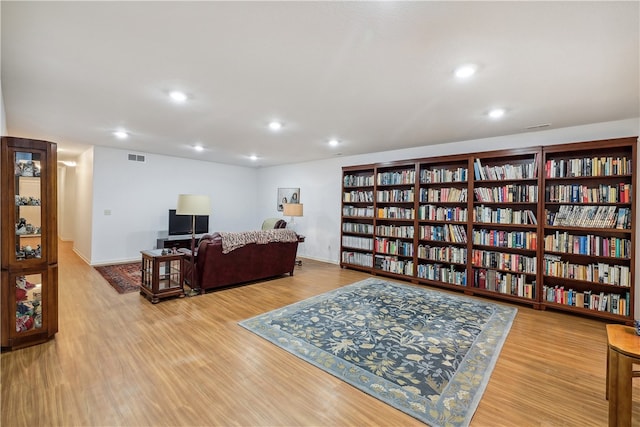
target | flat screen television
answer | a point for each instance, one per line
(181, 224)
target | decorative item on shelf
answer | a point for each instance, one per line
(21, 226)
(193, 204)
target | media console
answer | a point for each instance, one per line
(181, 241)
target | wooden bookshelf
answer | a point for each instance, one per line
(504, 224)
(356, 236)
(442, 222)
(588, 233)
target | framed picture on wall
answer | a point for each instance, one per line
(287, 195)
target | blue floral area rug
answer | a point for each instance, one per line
(424, 352)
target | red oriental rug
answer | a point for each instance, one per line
(124, 278)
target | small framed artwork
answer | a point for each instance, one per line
(287, 195)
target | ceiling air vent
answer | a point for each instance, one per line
(540, 126)
(136, 158)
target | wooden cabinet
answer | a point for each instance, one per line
(29, 260)
(550, 227)
(588, 239)
(162, 274)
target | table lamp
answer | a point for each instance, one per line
(193, 204)
(292, 210)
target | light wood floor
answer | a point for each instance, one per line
(118, 360)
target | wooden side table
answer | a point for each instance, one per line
(623, 352)
(300, 240)
(162, 275)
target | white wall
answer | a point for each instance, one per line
(132, 200)
(66, 202)
(320, 181)
(83, 205)
(3, 116)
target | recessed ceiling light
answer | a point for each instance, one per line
(198, 147)
(178, 96)
(466, 71)
(496, 113)
(333, 142)
(121, 134)
(275, 125)
(253, 157)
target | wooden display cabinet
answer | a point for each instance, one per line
(29, 260)
(162, 274)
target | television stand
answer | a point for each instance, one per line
(182, 241)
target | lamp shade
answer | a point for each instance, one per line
(193, 204)
(292, 209)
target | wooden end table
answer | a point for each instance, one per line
(623, 352)
(162, 274)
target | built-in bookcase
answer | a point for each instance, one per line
(550, 227)
(395, 214)
(504, 254)
(588, 239)
(357, 217)
(442, 221)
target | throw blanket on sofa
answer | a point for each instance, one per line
(231, 241)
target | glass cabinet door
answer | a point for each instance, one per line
(29, 304)
(28, 206)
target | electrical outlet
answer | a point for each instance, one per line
(107, 212)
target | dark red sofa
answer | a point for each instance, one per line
(251, 262)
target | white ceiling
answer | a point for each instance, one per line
(376, 75)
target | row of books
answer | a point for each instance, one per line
(364, 243)
(587, 245)
(441, 213)
(442, 273)
(393, 247)
(589, 216)
(429, 176)
(575, 193)
(395, 196)
(506, 239)
(357, 180)
(443, 233)
(504, 283)
(610, 302)
(587, 166)
(357, 196)
(393, 265)
(526, 170)
(355, 227)
(404, 231)
(504, 261)
(357, 258)
(396, 212)
(452, 194)
(508, 193)
(397, 177)
(443, 253)
(600, 272)
(503, 215)
(366, 212)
